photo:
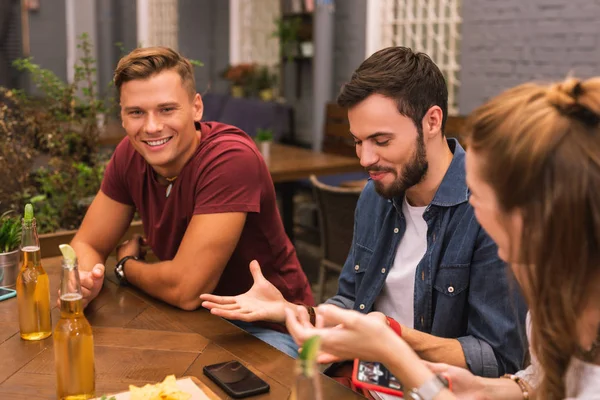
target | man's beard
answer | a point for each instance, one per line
(413, 173)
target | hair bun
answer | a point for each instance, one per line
(565, 97)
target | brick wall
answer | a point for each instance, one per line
(508, 42)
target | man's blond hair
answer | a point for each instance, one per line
(142, 63)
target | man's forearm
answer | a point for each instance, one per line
(435, 349)
(87, 256)
(158, 280)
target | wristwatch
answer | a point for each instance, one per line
(429, 389)
(120, 269)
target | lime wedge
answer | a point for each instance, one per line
(310, 348)
(308, 354)
(68, 253)
(28, 216)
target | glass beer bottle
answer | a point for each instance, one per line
(73, 340)
(33, 285)
(308, 378)
(307, 385)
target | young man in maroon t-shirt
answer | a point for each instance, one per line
(203, 192)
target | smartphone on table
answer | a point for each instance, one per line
(6, 293)
(235, 379)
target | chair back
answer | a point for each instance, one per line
(336, 206)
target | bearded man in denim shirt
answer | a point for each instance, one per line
(418, 256)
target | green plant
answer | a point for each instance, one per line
(287, 31)
(65, 123)
(264, 135)
(17, 135)
(263, 79)
(64, 190)
(10, 232)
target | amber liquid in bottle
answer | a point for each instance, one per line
(73, 342)
(33, 288)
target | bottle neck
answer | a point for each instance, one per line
(70, 290)
(306, 368)
(29, 235)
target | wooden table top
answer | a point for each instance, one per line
(289, 163)
(141, 340)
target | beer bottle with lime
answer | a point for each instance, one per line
(73, 340)
(33, 285)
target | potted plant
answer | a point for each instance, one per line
(263, 83)
(239, 76)
(10, 240)
(264, 138)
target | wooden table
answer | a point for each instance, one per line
(288, 164)
(140, 340)
(291, 163)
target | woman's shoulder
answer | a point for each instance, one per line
(583, 380)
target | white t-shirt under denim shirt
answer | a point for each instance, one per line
(582, 379)
(396, 300)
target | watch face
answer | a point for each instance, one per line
(119, 271)
(414, 396)
(429, 389)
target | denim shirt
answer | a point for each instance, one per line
(462, 288)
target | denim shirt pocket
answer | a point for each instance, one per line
(452, 280)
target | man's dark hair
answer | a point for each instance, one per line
(411, 79)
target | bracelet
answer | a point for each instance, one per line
(519, 382)
(395, 325)
(311, 314)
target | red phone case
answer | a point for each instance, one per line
(383, 389)
(369, 386)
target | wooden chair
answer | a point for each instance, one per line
(335, 208)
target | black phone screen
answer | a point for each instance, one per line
(236, 379)
(377, 374)
(4, 291)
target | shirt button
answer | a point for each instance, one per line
(422, 275)
(362, 306)
(383, 270)
(422, 320)
(356, 267)
(450, 289)
(396, 230)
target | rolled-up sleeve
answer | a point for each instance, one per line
(495, 342)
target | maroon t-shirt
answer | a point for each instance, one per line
(225, 174)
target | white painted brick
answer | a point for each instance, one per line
(506, 42)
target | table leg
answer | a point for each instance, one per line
(286, 191)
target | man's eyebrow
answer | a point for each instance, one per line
(132, 108)
(161, 105)
(375, 135)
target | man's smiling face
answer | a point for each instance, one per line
(158, 115)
